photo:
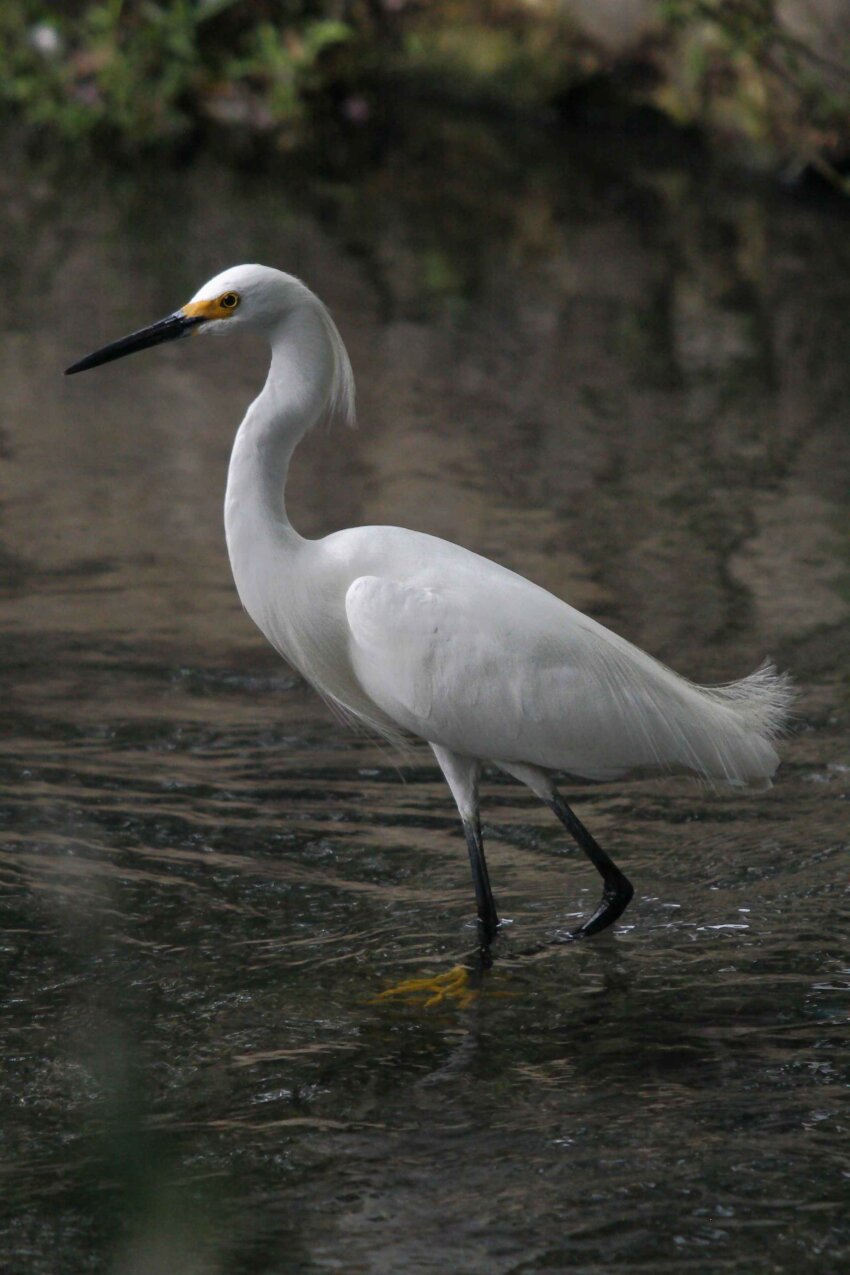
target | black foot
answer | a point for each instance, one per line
(616, 897)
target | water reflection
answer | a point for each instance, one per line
(617, 375)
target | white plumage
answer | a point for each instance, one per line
(408, 633)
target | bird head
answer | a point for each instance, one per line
(255, 295)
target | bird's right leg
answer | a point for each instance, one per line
(617, 890)
(462, 777)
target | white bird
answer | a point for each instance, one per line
(410, 634)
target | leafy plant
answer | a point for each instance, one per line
(144, 70)
(739, 64)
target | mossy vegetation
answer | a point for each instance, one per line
(769, 78)
(150, 71)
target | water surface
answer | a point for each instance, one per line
(621, 376)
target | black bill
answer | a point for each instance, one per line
(169, 329)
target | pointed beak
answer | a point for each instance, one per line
(176, 325)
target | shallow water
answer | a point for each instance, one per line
(617, 374)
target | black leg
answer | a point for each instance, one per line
(487, 916)
(617, 890)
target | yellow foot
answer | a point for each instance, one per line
(456, 986)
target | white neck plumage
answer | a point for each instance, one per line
(309, 380)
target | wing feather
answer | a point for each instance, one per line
(512, 673)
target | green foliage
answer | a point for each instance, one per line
(147, 70)
(523, 64)
(740, 70)
(106, 64)
(283, 65)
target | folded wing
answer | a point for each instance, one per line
(501, 669)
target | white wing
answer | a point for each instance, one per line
(494, 667)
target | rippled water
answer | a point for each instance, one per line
(620, 376)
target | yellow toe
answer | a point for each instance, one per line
(455, 985)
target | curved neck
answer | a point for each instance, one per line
(293, 398)
(261, 542)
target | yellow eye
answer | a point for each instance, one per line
(229, 301)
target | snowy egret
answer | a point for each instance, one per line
(410, 634)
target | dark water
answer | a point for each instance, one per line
(622, 376)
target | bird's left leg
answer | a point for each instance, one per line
(617, 890)
(462, 777)
(462, 983)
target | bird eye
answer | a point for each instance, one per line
(229, 301)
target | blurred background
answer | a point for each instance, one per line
(766, 79)
(591, 262)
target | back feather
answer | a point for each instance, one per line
(722, 733)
